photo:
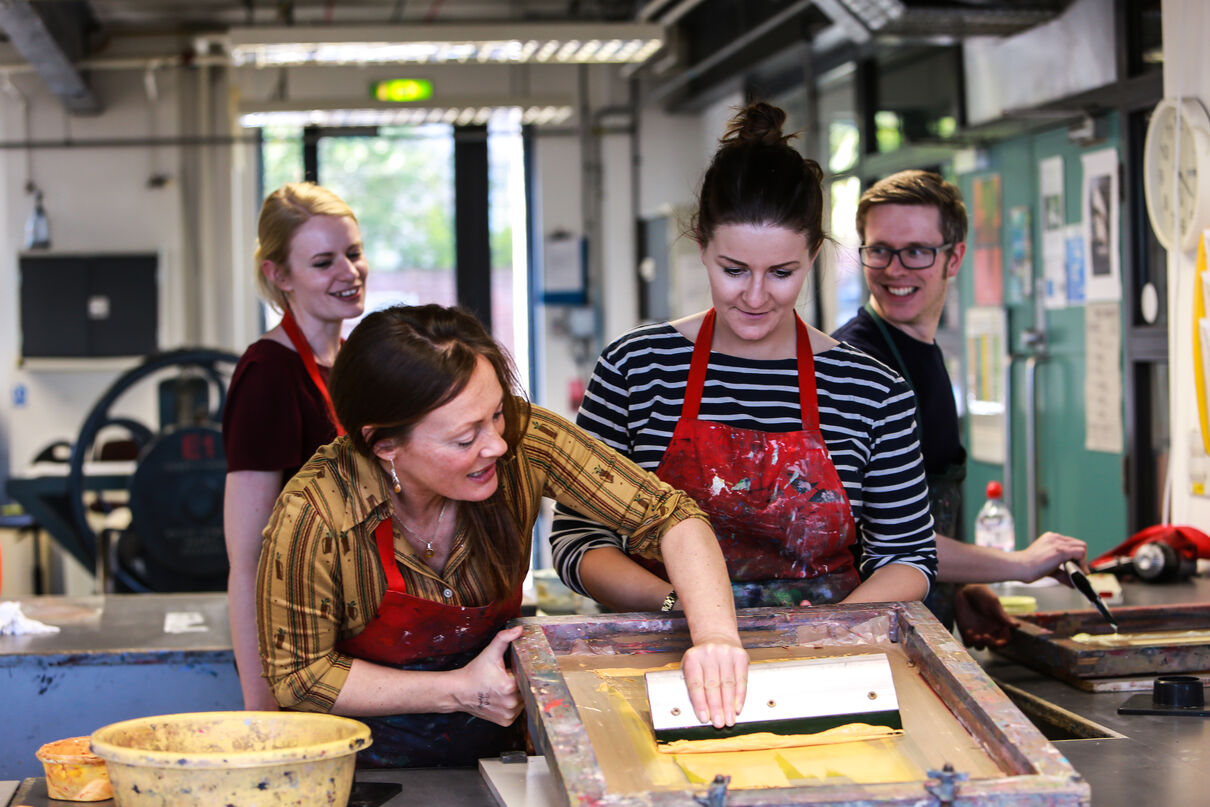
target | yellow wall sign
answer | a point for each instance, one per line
(1201, 337)
(402, 90)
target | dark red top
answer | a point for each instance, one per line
(275, 416)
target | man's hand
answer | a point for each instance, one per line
(1046, 555)
(981, 618)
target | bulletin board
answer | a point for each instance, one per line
(1044, 172)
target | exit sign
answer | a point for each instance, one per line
(401, 90)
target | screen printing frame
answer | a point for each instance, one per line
(1043, 641)
(1035, 772)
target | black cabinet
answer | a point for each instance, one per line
(86, 306)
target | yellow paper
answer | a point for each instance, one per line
(749, 769)
(1159, 637)
(867, 762)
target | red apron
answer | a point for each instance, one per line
(774, 499)
(290, 326)
(413, 633)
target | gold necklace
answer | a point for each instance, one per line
(428, 545)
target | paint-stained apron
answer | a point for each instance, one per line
(412, 633)
(774, 498)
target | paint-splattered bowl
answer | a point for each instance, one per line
(73, 773)
(253, 759)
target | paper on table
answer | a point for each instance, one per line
(15, 623)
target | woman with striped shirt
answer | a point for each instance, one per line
(801, 450)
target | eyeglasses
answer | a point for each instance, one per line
(913, 257)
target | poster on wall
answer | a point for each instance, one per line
(1101, 211)
(989, 256)
(985, 363)
(1076, 266)
(989, 281)
(1020, 254)
(1103, 377)
(1054, 223)
(565, 269)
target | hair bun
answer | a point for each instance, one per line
(758, 123)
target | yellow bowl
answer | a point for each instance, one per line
(253, 759)
(73, 773)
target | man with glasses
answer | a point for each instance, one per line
(913, 233)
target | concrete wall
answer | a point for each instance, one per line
(1186, 73)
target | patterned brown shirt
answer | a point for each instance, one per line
(320, 579)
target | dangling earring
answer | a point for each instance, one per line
(395, 479)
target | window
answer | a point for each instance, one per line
(400, 183)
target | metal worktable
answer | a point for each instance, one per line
(116, 657)
(1158, 760)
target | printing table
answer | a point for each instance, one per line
(117, 657)
(1159, 761)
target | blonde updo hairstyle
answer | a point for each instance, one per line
(283, 212)
(758, 178)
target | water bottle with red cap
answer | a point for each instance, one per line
(994, 524)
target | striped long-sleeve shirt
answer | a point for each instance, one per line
(320, 578)
(866, 414)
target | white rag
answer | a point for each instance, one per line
(15, 623)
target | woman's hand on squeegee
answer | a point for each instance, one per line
(716, 673)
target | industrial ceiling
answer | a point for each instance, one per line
(703, 37)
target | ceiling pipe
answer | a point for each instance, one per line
(139, 63)
(735, 46)
(32, 35)
(651, 9)
(672, 15)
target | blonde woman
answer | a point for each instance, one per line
(310, 266)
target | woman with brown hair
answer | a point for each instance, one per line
(800, 449)
(310, 266)
(396, 555)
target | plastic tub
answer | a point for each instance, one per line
(253, 759)
(73, 773)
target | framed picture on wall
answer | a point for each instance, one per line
(565, 269)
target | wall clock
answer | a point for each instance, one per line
(1176, 172)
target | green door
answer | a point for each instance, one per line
(1081, 491)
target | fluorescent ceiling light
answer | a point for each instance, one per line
(511, 43)
(464, 112)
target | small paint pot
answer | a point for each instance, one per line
(73, 771)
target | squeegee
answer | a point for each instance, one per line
(800, 696)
